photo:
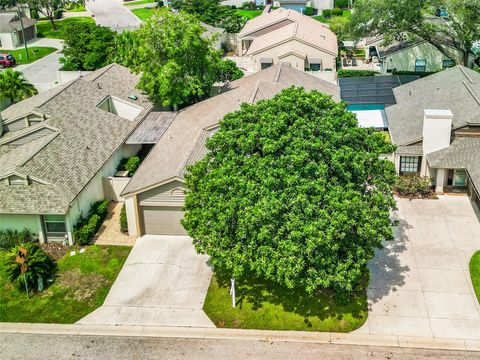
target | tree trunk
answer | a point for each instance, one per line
(52, 21)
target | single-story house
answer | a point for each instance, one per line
(283, 35)
(415, 56)
(435, 124)
(11, 35)
(58, 147)
(300, 5)
(155, 195)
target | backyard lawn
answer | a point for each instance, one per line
(475, 273)
(266, 306)
(139, 2)
(321, 18)
(45, 29)
(35, 53)
(81, 284)
(249, 14)
(143, 14)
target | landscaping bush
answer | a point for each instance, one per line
(39, 265)
(132, 164)
(421, 74)
(355, 73)
(160, 4)
(328, 13)
(123, 220)
(413, 186)
(9, 238)
(309, 11)
(249, 5)
(341, 4)
(87, 227)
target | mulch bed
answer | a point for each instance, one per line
(55, 250)
(431, 195)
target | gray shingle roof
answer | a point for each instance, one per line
(456, 89)
(9, 22)
(152, 128)
(87, 138)
(171, 154)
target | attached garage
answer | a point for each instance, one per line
(161, 209)
(162, 220)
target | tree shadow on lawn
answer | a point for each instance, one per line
(324, 304)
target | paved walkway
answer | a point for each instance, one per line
(112, 14)
(163, 283)
(420, 284)
(109, 233)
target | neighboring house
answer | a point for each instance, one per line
(436, 127)
(155, 196)
(300, 5)
(11, 35)
(219, 32)
(417, 56)
(287, 36)
(58, 148)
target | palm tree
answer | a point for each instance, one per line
(15, 87)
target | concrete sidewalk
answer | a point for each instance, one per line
(247, 335)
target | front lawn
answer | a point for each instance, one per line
(139, 2)
(81, 284)
(144, 13)
(346, 14)
(45, 29)
(266, 306)
(249, 14)
(475, 273)
(35, 53)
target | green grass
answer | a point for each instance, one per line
(143, 14)
(266, 306)
(81, 284)
(78, 9)
(45, 29)
(35, 53)
(139, 2)
(346, 14)
(475, 273)
(249, 14)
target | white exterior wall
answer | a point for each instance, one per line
(437, 128)
(323, 4)
(131, 211)
(328, 60)
(20, 222)
(7, 40)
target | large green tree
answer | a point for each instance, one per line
(86, 46)
(14, 86)
(178, 65)
(292, 191)
(416, 19)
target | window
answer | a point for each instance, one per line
(265, 65)
(459, 177)
(315, 67)
(448, 63)
(410, 164)
(420, 65)
(55, 224)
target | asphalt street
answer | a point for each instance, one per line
(112, 14)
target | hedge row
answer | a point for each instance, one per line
(328, 13)
(10, 238)
(87, 227)
(421, 74)
(123, 220)
(355, 73)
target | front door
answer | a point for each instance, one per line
(459, 177)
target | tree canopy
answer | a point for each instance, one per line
(416, 19)
(292, 191)
(86, 46)
(14, 86)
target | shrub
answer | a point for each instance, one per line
(421, 74)
(160, 3)
(341, 4)
(132, 164)
(123, 220)
(355, 73)
(86, 228)
(249, 5)
(309, 11)
(328, 13)
(9, 238)
(413, 185)
(39, 265)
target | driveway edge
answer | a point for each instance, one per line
(241, 334)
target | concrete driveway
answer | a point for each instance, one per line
(112, 14)
(420, 284)
(163, 283)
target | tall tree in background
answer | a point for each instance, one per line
(178, 65)
(14, 86)
(292, 191)
(416, 19)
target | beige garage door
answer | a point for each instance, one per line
(162, 220)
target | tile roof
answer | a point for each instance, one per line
(456, 89)
(87, 137)
(186, 135)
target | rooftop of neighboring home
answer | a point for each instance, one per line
(183, 142)
(9, 21)
(276, 26)
(56, 142)
(456, 89)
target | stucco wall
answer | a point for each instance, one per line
(323, 4)
(7, 41)
(404, 60)
(20, 222)
(328, 61)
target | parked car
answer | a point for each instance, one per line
(7, 60)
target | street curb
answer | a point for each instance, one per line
(246, 335)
